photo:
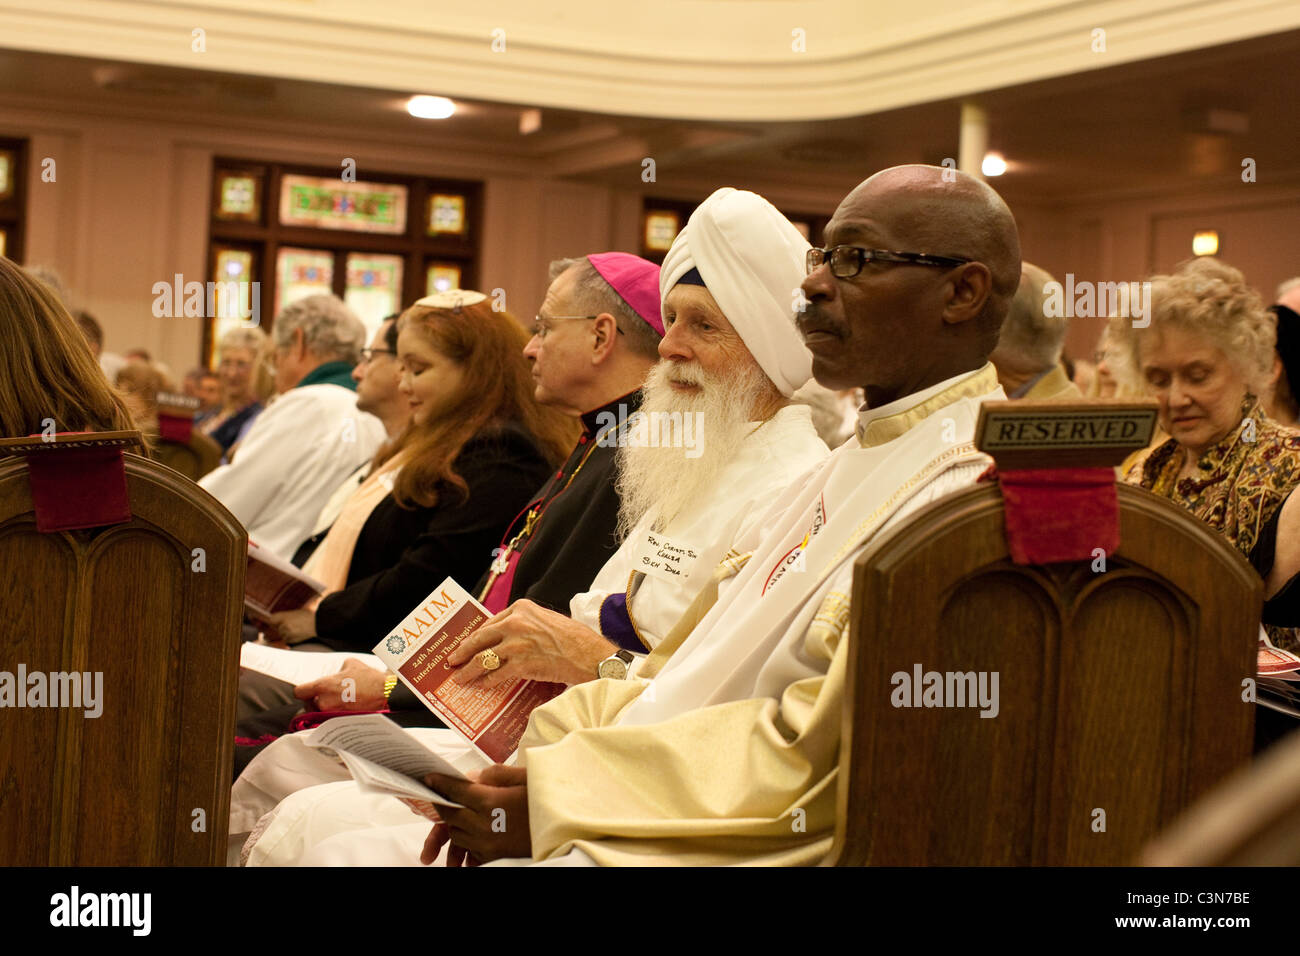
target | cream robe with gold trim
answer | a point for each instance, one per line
(740, 726)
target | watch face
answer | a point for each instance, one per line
(613, 668)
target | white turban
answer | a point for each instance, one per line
(752, 260)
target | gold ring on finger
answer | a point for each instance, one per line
(489, 660)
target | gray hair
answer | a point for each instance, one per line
(1286, 286)
(330, 329)
(591, 291)
(253, 339)
(1028, 333)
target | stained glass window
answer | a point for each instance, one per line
(441, 276)
(446, 214)
(374, 288)
(332, 204)
(6, 174)
(239, 196)
(300, 273)
(661, 228)
(235, 305)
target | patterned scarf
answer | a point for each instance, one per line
(1244, 479)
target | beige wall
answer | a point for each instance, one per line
(1127, 239)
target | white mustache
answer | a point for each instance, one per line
(687, 374)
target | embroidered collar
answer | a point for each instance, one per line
(879, 425)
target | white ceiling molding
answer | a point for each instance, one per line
(679, 59)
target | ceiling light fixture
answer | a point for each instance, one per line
(1205, 243)
(993, 165)
(430, 107)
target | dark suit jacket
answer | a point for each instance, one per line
(576, 534)
(401, 555)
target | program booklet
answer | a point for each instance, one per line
(416, 650)
(272, 584)
(1275, 662)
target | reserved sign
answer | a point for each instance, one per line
(1063, 434)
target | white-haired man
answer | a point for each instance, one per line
(311, 438)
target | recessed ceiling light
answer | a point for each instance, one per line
(430, 107)
(993, 165)
(1205, 243)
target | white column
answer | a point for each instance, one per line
(974, 139)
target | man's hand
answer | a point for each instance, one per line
(295, 626)
(493, 824)
(355, 687)
(532, 642)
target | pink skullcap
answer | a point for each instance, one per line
(636, 280)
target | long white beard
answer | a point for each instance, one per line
(675, 454)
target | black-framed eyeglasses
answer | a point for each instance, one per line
(542, 323)
(847, 261)
(368, 354)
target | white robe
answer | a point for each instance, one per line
(298, 452)
(771, 456)
(737, 733)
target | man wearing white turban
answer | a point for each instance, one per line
(717, 441)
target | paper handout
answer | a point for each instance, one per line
(382, 757)
(416, 650)
(298, 667)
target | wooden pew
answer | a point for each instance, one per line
(179, 446)
(193, 458)
(148, 781)
(1120, 691)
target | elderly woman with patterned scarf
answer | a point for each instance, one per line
(1206, 357)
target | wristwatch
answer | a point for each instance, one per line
(616, 666)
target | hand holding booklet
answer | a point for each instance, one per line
(416, 650)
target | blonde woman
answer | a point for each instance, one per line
(241, 368)
(1206, 357)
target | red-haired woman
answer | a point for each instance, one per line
(438, 499)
